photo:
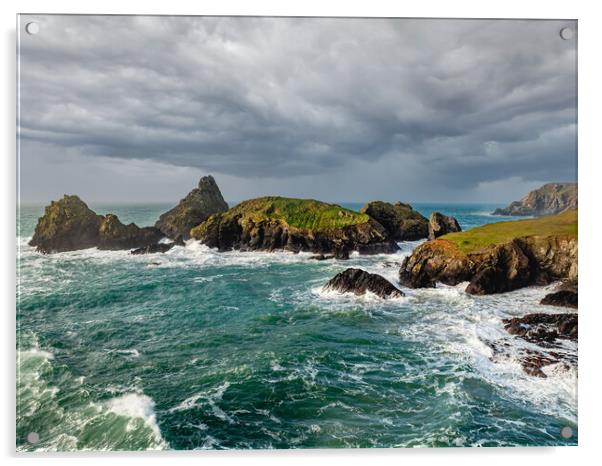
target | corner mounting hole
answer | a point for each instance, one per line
(566, 432)
(33, 437)
(566, 33)
(32, 28)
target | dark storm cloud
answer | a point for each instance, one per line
(463, 102)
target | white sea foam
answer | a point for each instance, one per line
(129, 352)
(206, 397)
(469, 323)
(137, 405)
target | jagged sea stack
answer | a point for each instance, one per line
(198, 205)
(400, 220)
(440, 225)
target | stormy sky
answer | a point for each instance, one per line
(136, 109)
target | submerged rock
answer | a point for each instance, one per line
(542, 327)
(272, 223)
(532, 361)
(195, 208)
(69, 224)
(400, 220)
(360, 282)
(440, 225)
(550, 199)
(153, 248)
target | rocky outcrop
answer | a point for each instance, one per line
(69, 224)
(440, 225)
(195, 208)
(114, 235)
(546, 328)
(550, 199)
(504, 267)
(360, 282)
(400, 220)
(294, 225)
(566, 295)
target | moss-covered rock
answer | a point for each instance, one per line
(400, 220)
(501, 263)
(271, 223)
(69, 224)
(195, 208)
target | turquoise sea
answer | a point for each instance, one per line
(196, 349)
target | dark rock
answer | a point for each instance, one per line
(565, 295)
(153, 248)
(550, 199)
(341, 254)
(195, 208)
(400, 220)
(114, 235)
(359, 282)
(561, 298)
(69, 224)
(542, 327)
(321, 257)
(440, 225)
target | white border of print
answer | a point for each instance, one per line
(590, 39)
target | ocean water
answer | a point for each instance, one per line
(195, 349)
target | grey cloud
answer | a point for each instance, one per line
(462, 102)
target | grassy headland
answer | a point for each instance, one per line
(480, 237)
(299, 213)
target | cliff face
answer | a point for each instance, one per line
(295, 225)
(400, 220)
(195, 208)
(550, 199)
(69, 224)
(505, 267)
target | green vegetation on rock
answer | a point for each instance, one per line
(475, 239)
(271, 223)
(307, 214)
